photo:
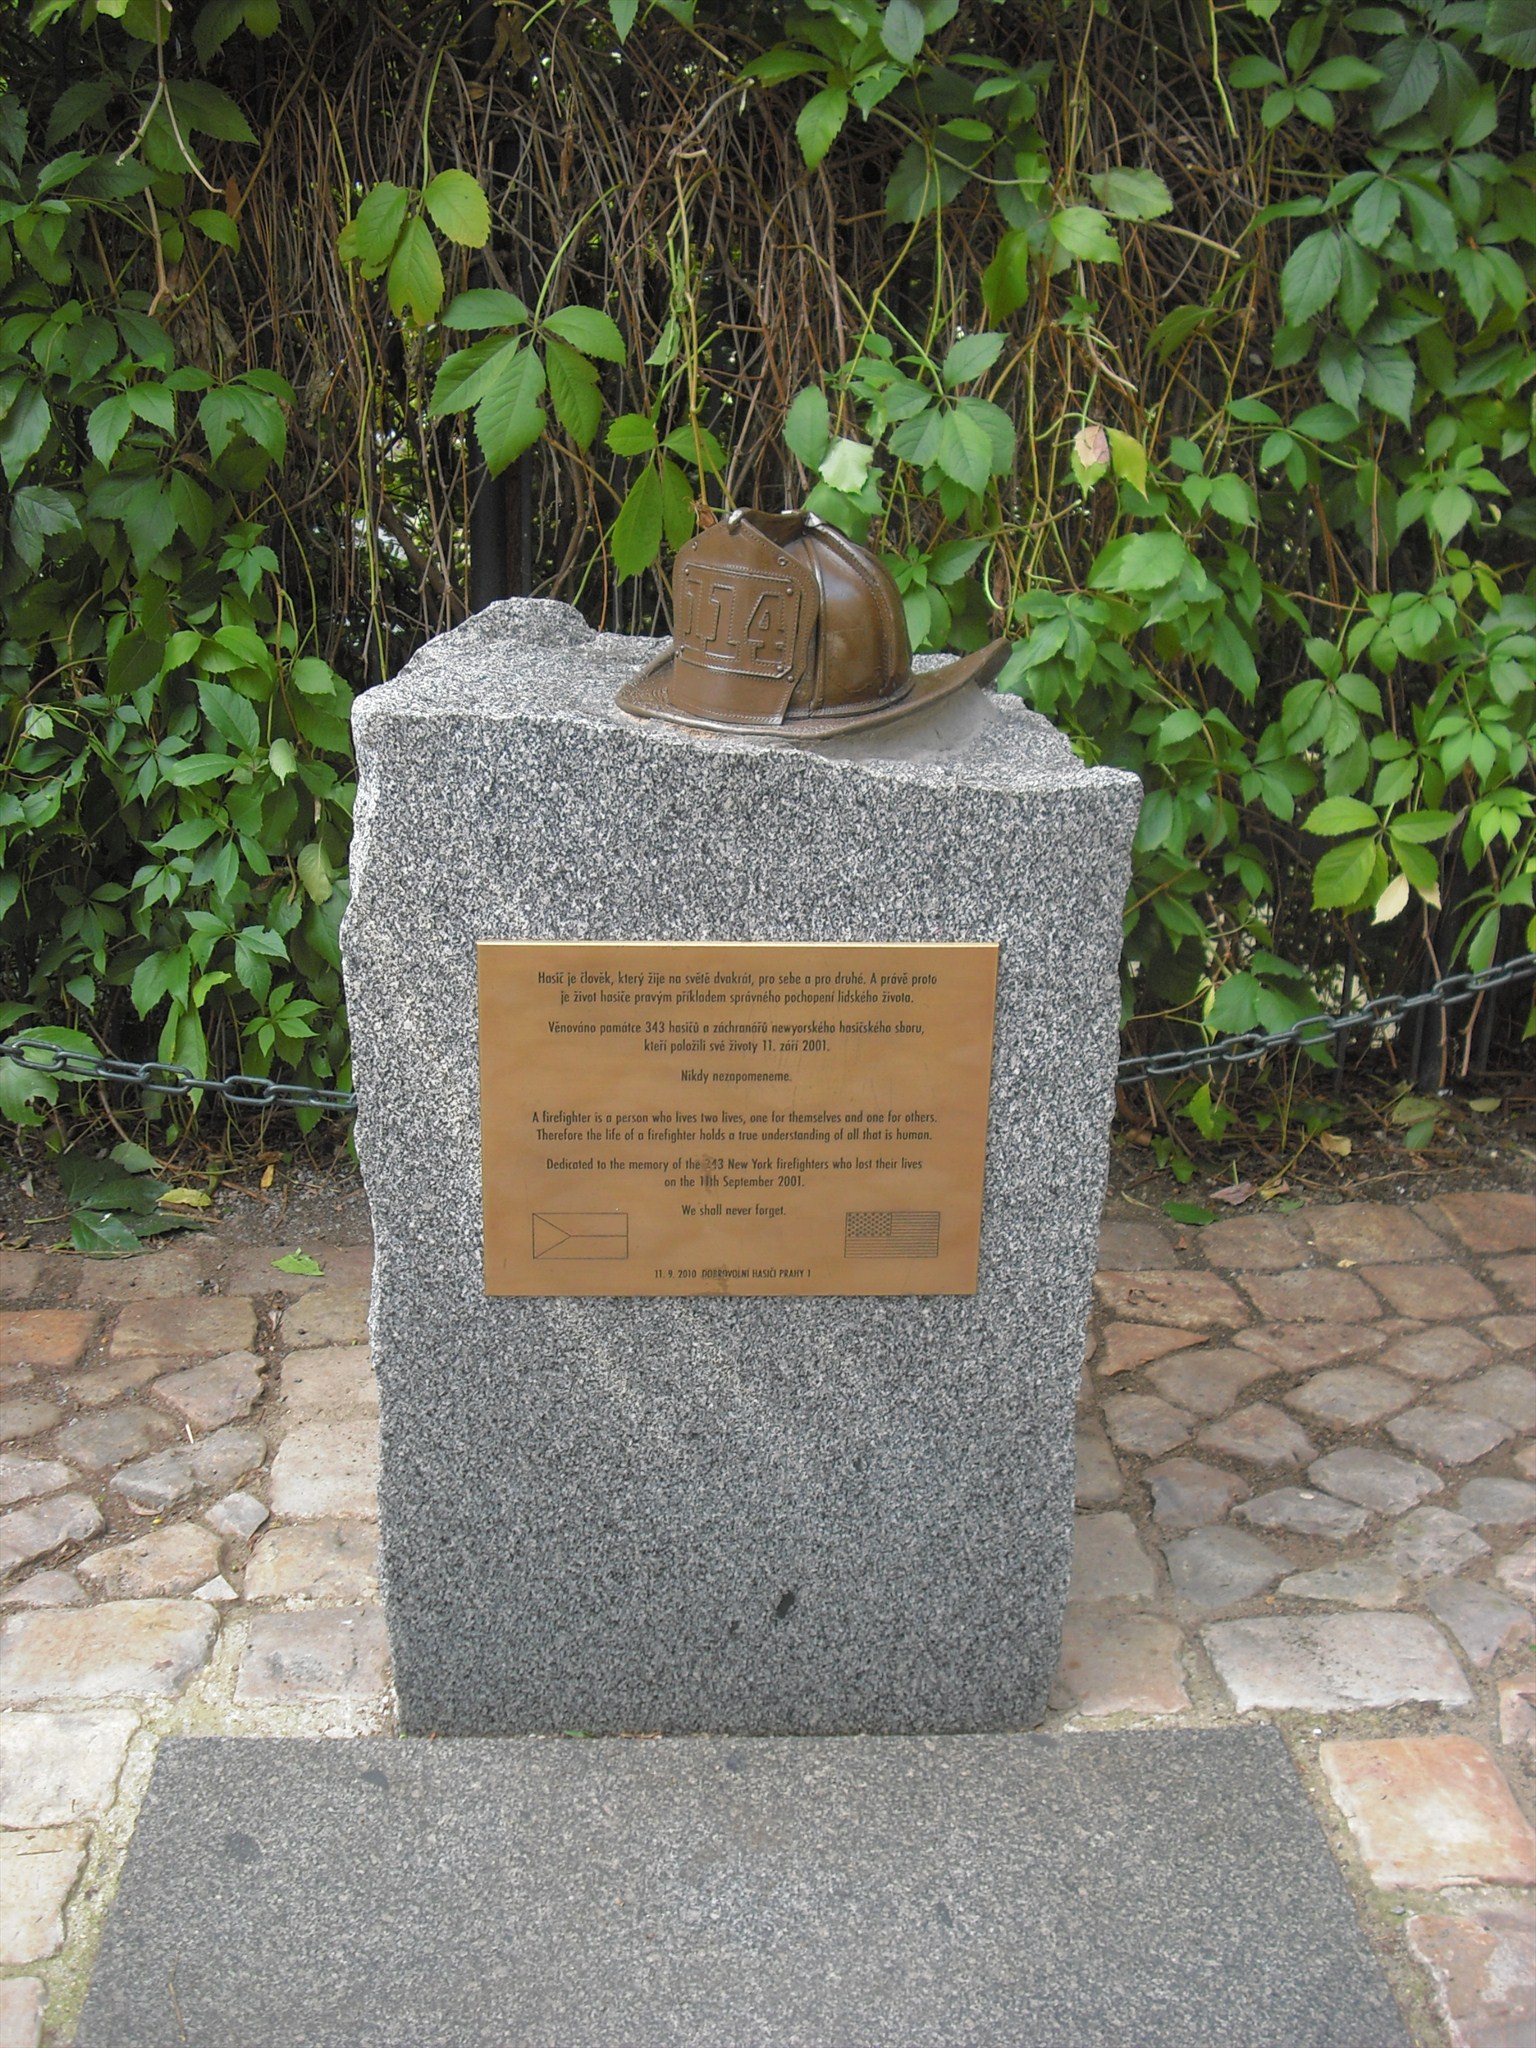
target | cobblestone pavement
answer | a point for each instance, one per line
(1307, 1494)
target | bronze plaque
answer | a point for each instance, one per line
(733, 1119)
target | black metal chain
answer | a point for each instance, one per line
(257, 1091)
(1244, 1047)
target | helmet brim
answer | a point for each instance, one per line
(646, 696)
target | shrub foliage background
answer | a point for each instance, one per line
(1192, 348)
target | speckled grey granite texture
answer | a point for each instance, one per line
(1162, 1888)
(595, 1511)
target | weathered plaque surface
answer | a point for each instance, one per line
(733, 1119)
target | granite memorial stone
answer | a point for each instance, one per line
(777, 1514)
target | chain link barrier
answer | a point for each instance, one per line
(257, 1091)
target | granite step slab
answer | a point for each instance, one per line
(1138, 1889)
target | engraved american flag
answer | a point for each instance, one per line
(891, 1234)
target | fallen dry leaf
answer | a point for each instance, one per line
(1234, 1197)
(1335, 1144)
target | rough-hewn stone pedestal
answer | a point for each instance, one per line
(594, 1511)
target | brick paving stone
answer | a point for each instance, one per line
(1303, 1513)
(145, 1649)
(1214, 1569)
(21, 2012)
(323, 1386)
(1498, 1503)
(1334, 1663)
(1309, 1296)
(19, 1274)
(30, 1478)
(331, 1315)
(1482, 1958)
(1511, 1333)
(1351, 1396)
(1260, 1435)
(217, 1589)
(238, 1514)
(1187, 1494)
(38, 1868)
(1357, 1582)
(1517, 1711)
(16, 1376)
(1120, 1664)
(1370, 1233)
(326, 1562)
(51, 1337)
(164, 1562)
(1127, 1345)
(45, 1589)
(1518, 1571)
(1099, 1479)
(1300, 1347)
(1189, 1301)
(1525, 1458)
(56, 1769)
(1483, 1620)
(1498, 1221)
(1108, 1562)
(325, 1653)
(27, 1534)
(1430, 1543)
(248, 1269)
(1375, 1480)
(189, 1326)
(1516, 1274)
(1442, 1353)
(1506, 1392)
(215, 1462)
(1208, 1381)
(148, 1276)
(102, 1442)
(109, 1382)
(1144, 1424)
(1134, 1248)
(327, 1468)
(1437, 1294)
(1450, 1436)
(27, 1415)
(1429, 1810)
(209, 1395)
(1252, 1244)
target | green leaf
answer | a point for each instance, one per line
(808, 426)
(901, 30)
(1084, 232)
(1338, 814)
(232, 716)
(1189, 1213)
(1006, 280)
(573, 392)
(157, 976)
(1509, 32)
(415, 281)
(635, 536)
(1410, 71)
(376, 226)
(299, 1262)
(217, 226)
(970, 357)
(821, 122)
(24, 431)
(313, 677)
(469, 373)
(1128, 459)
(631, 434)
(1132, 195)
(964, 452)
(1311, 276)
(622, 14)
(468, 312)
(846, 466)
(1389, 383)
(584, 328)
(678, 520)
(38, 513)
(314, 871)
(509, 419)
(133, 1158)
(1449, 510)
(101, 1236)
(1140, 561)
(459, 209)
(1343, 875)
